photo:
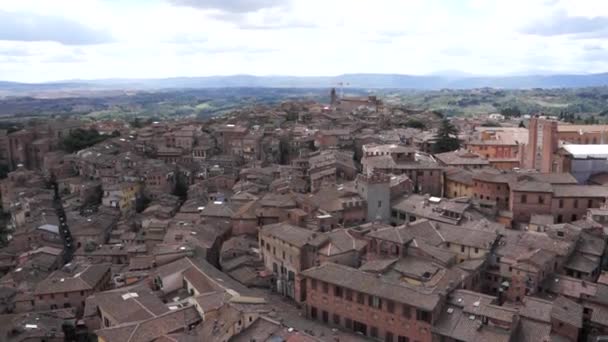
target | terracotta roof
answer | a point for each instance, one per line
(400, 235)
(128, 305)
(461, 157)
(82, 278)
(580, 191)
(459, 175)
(371, 284)
(292, 234)
(211, 301)
(341, 241)
(151, 329)
(198, 280)
(567, 311)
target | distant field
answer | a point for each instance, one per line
(583, 102)
(203, 103)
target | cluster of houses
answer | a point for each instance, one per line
(214, 230)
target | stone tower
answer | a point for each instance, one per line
(333, 96)
(375, 189)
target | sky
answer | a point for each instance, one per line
(42, 40)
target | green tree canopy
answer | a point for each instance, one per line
(511, 112)
(81, 138)
(447, 138)
(413, 123)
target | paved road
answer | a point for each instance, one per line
(289, 314)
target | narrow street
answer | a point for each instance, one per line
(290, 315)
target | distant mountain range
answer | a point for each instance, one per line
(369, 81)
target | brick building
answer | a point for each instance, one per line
(70, 286)
(370, 305)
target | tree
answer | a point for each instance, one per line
(521, 124)
(181, 188)
(413, 123)
(438, 114)
(511, 112)
(490, 124)
(136, 123)
(81, 138)
(446, 138)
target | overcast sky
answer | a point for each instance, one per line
(42, 40)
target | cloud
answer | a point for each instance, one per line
(195, 49)
(593, 48)
(15, 51)
(232, 6)
(560, 23)
(276, 25)
(73, 57)
(457, 51)
(33, 27)
(265, 19)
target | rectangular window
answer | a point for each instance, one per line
(336, 319)
(541, 199)
(403, 339)
(349, 295)
(561, 203)
(325, 316)
(590, 204)
(462, 249)
(524, 199)
(373, 332)
(406, 311)
(313, 284)
(388, 337)
(375, 302)
(379, 204)
(575, 203)
(313, 312)
(348, 323)
(424, 316)
(325, 287)
(338, 291)
(476, 250)
(360, 298)
(390, 306)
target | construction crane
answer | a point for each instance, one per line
(341, 86)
